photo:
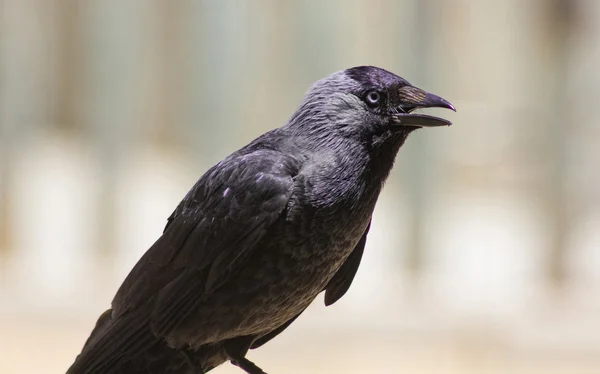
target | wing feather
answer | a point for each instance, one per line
(341, 281)
(210, 235)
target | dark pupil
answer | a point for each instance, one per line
(373, 97)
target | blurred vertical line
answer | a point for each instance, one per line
(420, 164)
(110, 49)
(323, 31)
(167, 122)
(266, 68)
(28, 61)
(159, 61)
(105, 236)
(5, 153)
(215, 37)
(23, 78)
(68, 69)
(559, 23)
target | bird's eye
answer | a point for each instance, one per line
(373, 98)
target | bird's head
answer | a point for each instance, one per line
(367, 100)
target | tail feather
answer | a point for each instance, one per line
(126, 345)
(112, 342)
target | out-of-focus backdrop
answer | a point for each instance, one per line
(484, 255)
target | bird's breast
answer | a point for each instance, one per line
(291, 265)
(320, 232)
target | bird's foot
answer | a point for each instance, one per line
(236, 350)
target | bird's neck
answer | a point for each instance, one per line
(353, 165)
(383, 149)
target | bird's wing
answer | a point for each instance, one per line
(208, 237)
(341, 281)
(215, 227)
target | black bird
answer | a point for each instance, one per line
(262, 233)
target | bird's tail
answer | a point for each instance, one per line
(111, 342)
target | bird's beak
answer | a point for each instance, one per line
(413, 98)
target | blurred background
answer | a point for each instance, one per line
(484, 255)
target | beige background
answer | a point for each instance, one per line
(484, 256)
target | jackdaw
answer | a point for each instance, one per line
(262, 233)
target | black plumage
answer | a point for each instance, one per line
(262, 233)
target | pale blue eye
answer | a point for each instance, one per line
(373, 97)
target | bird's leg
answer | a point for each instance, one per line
(190, 362)
(247, 365)
(236, 350)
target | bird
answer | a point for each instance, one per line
(262, 233)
